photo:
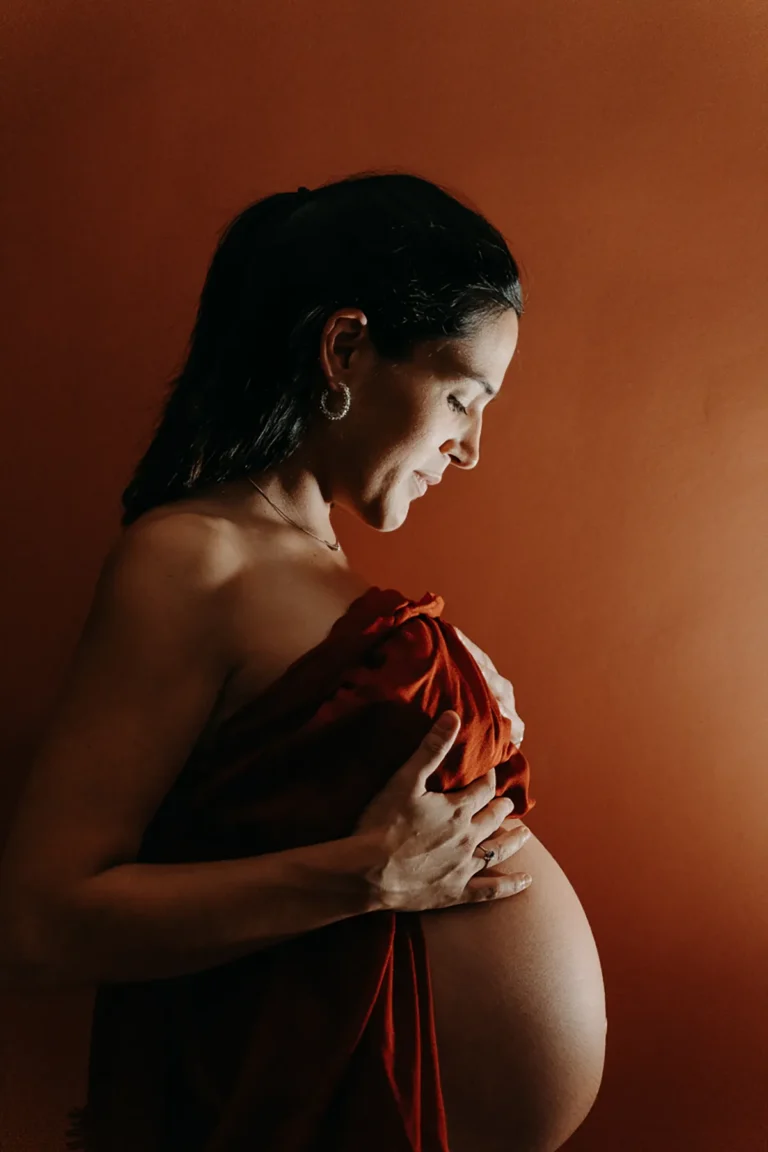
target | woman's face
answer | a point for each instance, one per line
(404, 418)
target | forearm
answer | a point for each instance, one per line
(151, 921)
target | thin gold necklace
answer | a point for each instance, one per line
(333, 547)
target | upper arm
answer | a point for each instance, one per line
(151, 661)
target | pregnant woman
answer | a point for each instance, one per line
(303, 906)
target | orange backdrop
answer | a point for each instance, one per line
(610, 551)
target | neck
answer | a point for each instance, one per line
(296, 492)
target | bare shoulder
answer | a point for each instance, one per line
(252, 589)
(188, 549)
(251, 593)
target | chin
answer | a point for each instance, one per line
(384, 515)
(388, 523)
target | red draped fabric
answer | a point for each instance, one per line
(325, 1041)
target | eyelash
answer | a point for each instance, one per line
(460, 407)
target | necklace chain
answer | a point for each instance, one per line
(334, 547)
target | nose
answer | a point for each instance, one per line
(465, 453)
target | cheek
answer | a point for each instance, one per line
(401, 432)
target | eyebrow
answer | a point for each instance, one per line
(486, 385)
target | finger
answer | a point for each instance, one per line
(477, 795)
(482, 888)
(490, 817)
(503, 845)
(432, 750)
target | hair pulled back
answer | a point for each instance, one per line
(416, 260)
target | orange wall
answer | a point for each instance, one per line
(611, 549)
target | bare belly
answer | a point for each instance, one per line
(519, 1012)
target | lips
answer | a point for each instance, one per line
(430, 479)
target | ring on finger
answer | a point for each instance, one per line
(488, 853)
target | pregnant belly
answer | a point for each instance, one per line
(519, 1012)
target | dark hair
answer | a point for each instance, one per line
(420, 264)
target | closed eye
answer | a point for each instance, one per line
(453, 400)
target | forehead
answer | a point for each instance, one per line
(486, 353)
